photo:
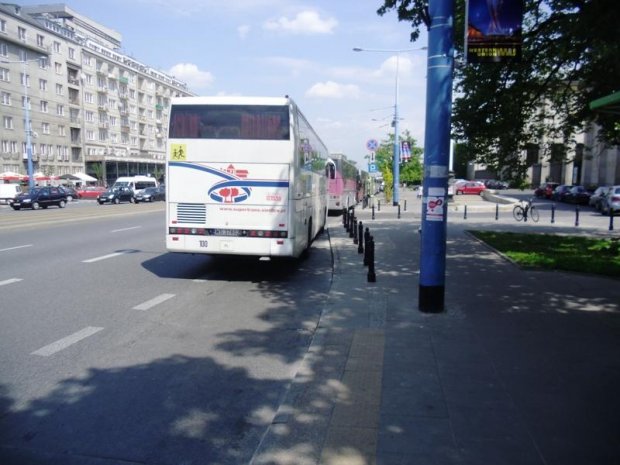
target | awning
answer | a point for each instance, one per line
(85, 177)
(12, 176)
(78, 177)
(607, 104)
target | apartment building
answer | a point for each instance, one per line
(91, 108)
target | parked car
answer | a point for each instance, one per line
(596, 199)
(545, 190)
(578, 195)
(469, 187)
(116, 196)
(91, 192)
(495, 184)
(611, 202)
(151, 194)
(40, 197)
(560, 192)
(71, 192)
(8, 192)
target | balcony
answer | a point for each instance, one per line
(73, 81)
(102, 89)
(123, 80)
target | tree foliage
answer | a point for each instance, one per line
(410, 172)
(570, 57)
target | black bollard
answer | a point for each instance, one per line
(345, 218)
(355, 231)
(378, 205)
(372, 277)
(552, 213)
(465, 213)
(366, 246)
(576, 216)
(373, 212)
(351, 219)
(360, 235)
(497, 211)
(399, 211)
(405, 206)
(611, 221)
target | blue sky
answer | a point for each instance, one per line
(277, 47)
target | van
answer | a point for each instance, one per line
(135, 183)
(8, 192)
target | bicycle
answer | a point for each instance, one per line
(524, 210)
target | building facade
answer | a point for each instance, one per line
(91, 108)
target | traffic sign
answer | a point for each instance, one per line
(372, 167)
(372, 145)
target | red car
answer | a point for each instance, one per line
(469, 187)
(90, 192)
(545, 190)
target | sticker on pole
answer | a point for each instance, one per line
(434, 208)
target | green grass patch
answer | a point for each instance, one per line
(555, 252)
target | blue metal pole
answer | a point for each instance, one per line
(436, 156)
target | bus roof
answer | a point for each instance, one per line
(231, 100)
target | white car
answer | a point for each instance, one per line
(610, 204)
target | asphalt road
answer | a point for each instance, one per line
(114, 351)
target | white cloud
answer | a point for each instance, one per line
(331, 89)
(306, 22)
(192, 76)
(243, 31)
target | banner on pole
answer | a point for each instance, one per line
(493, 31)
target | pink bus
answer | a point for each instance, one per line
(342, 183)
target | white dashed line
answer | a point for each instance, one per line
(125, 229)
(16, 247)
(156, 301)
(65, 342)
(105, 257)
(10, 281)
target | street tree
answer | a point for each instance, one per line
(570, 58)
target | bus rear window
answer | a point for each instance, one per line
(251, 122)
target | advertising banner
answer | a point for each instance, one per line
(493, 31)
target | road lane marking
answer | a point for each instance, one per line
(125, 229)
(65, 342)
(156, 301)
(105, 257)
(16, 247)
(10, 281)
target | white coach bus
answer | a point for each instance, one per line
(244, 176)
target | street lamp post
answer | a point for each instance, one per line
(396, 158)
(27, 124)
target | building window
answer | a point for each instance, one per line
(4, 75)
(45, 128)
(58, 68)
(40, 40)
(21, 33)
(60, 110)
(26, 101)
(43, 63)
(56, 47)
(42, 84)
(59, 89)
(24, 79)
(7, 122)
(2, 25)
(72, 53)
(4, 49)
(62, 131)
(90, 134)
(89, 116)
(6, 98)
(43, 106)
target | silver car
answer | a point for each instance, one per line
(610, 204)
